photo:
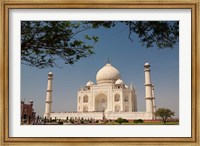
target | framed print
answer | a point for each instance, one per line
(105, 72)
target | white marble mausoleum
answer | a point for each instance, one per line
(108, 98)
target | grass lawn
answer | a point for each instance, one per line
(144, 123)
(115, 123)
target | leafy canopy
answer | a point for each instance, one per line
(164, 114)
(43, 43)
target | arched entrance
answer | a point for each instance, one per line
(100, 102)
(117, 108)
(85, 108)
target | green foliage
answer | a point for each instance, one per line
(71, 120)
(45, 119)
(138, 121)
(164, 114)
(44, 43)
(60, 123)
(163, 34)
(120, 120)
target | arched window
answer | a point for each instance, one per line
(126, 108)
(126, 99)
(79, 99)
(85, 99)
(117, 108)
(117, 97)
(85, 109)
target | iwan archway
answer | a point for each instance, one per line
(101, 102)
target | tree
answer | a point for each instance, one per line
(43, 43)
(45, 119)
(163, 34)
(164, 113)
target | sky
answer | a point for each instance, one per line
(128, 57)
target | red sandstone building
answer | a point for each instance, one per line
(27, 112)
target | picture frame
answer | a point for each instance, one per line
(111, 4)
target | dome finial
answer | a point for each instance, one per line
(108, 61)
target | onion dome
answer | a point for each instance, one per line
(107, 74)
(119, 82)
(126, 86)
(89, 83)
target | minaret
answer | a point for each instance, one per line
(148, 88)
(47, 113)
(154, 102)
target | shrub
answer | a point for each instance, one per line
(60, 123)
(120, 120)
(71, 120)
(138, 121)
(66, 120)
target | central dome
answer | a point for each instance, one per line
(108, 74)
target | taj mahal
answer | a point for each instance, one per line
(110, 97)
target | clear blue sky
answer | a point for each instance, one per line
(127, 57)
